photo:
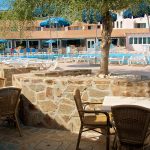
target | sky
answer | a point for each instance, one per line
(4, 4)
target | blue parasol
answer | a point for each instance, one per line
(55, 21)
(50, 41)
(2, 41)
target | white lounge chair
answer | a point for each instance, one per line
(116, 60)
(52, 66)
(134, 60)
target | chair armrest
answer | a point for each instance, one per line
(85, 104)
(90, 103)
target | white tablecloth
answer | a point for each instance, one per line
(110, 101)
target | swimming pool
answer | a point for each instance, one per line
(57, 56)
(54, 56)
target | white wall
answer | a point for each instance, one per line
(136, 47)
(129, 23)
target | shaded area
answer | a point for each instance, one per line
(46, 139)
(39, 119)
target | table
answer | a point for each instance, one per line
(110, 101)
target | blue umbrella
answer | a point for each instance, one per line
(2, 41)
(55, 21)
(50, 41)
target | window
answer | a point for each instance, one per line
(89, 44)
(117, 24)
(135, 40)
(140, 25)
(130, 40)
(140, 40)
(98, 27)
(77, 28)
(143, 25)
(120, 24)
(38, 28)
(148, 40)
(113, 24)
(92, 44)
(144, 40)
(89, 27)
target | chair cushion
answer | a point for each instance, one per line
(96, 119)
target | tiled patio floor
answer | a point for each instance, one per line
(46, 139)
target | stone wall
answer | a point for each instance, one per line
(131, 88)
(48, 101)
(7, 72)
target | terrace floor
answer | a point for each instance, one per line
(47, 139)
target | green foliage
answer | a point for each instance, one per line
(23, 10)
(92, 16)
(2, 46)
(84, 16)
(70, 9)
(141, 9)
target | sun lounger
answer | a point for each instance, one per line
(117, 60)
(53, 66)
(137, 60)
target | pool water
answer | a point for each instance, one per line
(55, 56)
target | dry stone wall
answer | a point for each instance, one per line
(7, 72)
(48, 100)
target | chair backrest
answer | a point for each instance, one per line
(77, 98)
(131, 123)
(2, 82)
(9, 99)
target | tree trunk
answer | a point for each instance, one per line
(106, 41)
(148, 21)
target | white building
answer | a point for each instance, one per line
(138, 38)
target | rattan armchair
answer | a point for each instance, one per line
(131, 124)
(9, 100)
(95, 119)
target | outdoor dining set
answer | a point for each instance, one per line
(128, 117)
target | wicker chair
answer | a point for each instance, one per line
(95, 119)
(9, 100)
(131, 124)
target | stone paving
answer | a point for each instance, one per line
(46, 139)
